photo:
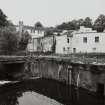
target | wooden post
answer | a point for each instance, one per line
(77, 83)
(69, 74)
(78, 76)
(69, 78)
(59, 70)
(78, 79)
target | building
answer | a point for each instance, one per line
(48, 43)
(84, 40)
(43, 40)
(36, 34)
(34, 44)
(63, 43)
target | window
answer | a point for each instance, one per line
(84, 39)
(96, 39)
(74, 50)
(67, 40)
(94, 49)
(68, 48)
(64, 49)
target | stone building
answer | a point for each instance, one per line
(34, 44)
(63, 43)
(36, 34)
(84, 40)
(48, 43)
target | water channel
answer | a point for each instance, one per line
(42, 91)
(51, 88)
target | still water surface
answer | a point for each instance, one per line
(46, 92)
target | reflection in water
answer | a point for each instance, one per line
(32, 98)
(27, 93)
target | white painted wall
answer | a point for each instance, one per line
(61, 43)
(32, 47)
(89, 47)
(76, 42)
(47, 43)
(36, 33)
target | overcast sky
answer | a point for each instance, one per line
(51, 12)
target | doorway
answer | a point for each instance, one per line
(74, 50)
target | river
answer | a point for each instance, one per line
(42, 91)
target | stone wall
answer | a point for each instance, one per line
(85, 76)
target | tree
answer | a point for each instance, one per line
(11, 26)
(3, 19)
(73, 25)
(8, 41)
(99, 23)
(24, 41)
(63, 26)
(38, 24)
(87, 22)
(80, 22)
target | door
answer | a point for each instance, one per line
(74, 50)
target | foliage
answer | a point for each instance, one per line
(87, 22)
(3, 19)
(99, 23)
(72, 25)
(75, 24)
(8, 41)
(80, 22)
(24, 41)
(38, 24)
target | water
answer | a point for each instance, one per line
(46, 92)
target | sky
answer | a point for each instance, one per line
(51, 12)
